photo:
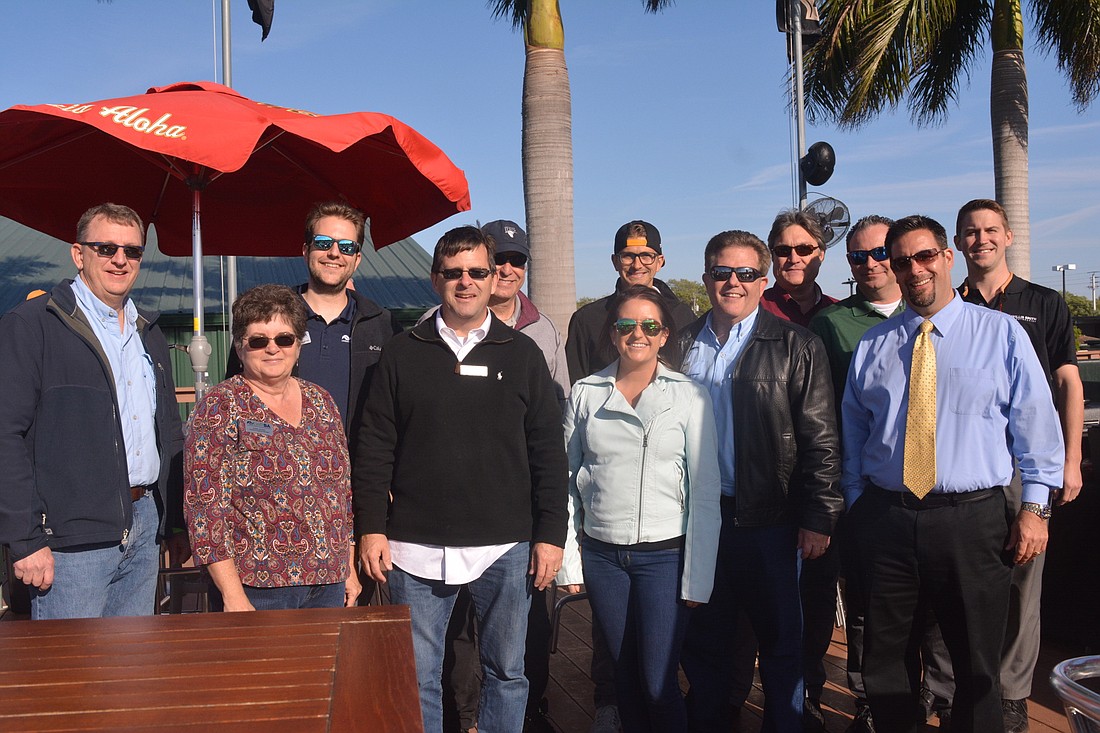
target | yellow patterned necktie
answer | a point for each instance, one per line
(919, 472)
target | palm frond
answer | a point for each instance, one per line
(655, 6)
(950, 51)
(1071, 28)
(515, 11)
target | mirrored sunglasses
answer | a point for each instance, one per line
(322, 243)
(925, 256)
(283, 341)
(108, 249)
(455, 273)
(650, 327)
(802, 250)
(859, 257)
(646, 258)
(722, 273)
(515, 259)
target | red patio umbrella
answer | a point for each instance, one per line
(218, 173)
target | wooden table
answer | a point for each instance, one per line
(307, 670)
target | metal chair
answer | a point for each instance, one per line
(1082, 704)
(555, 616)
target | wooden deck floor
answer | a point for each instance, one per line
(570, 689)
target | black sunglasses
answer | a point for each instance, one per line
(515, 259)
(803, 250)
(650, 327)
(722, 273)
(283, 341)
(646, 258)
(108, 249)
(859, 256)
(475, 273)
(925, 256)
(322, 243)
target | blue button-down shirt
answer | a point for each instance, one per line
(135, 381)
(992, 405)
(711, 364)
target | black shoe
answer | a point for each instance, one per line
(1015, 712)
(863, 722)
(813, 720)
(537, 723)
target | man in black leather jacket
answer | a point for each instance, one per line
(780, 461)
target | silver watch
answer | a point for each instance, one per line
(1040, 510)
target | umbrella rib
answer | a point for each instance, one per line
(72, 137)
(302, 167)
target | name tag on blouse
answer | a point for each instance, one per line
(473, 370)
(259, 428)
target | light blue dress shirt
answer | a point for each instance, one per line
(711, 364)
(992, 405)
(135, 381)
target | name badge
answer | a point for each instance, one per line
(306, 339)
(260, 428)
(473, 370)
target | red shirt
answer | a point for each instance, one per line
(779, 302)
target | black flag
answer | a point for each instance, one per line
(262, 10)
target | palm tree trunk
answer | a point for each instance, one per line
(548, 164)
(1008, 112)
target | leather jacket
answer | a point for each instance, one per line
(787, 458)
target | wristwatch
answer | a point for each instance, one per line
(1040, 510)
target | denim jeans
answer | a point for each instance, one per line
(329, 595)
(118, 580)
(502, 598)
(635, 597)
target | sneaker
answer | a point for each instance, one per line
(863, 722)
(1015, 712)
(813, 720)
(537, 722)
(606, 720)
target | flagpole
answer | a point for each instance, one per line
(227, 79)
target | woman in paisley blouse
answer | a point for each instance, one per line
(267, 476)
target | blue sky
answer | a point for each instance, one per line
(678, 118)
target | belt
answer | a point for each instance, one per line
(931, 501)
(136, 492)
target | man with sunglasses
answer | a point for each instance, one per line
(90, 434)
(460, 479)
(941, 402)
(982, 235)
(779, 461)
(797, 244)
(840, 327)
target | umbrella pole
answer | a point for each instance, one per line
(199, 348)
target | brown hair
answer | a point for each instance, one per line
(795, 217)
(638, 292)
(264, 302)
(978, 205)
(340, 210)
(114, 213)
(917, 222)
(737, 238)
(463, 239)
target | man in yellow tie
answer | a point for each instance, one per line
(940, 401)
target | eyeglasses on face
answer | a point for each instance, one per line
(475, 273)
(108, 249)
(859, 257)
(646, 258)
(321, 243)
(802, 250)
(722, 273)
(626, 326)
(515, 259)
(925, 256)
(283, 341)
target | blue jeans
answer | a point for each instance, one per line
(635, 597)
(502, 599)
(118, 580)
(757, 571)
(329, 595)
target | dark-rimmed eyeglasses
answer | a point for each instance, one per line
(283, 341)
(108, 249)
(626, 326)
(455, 273)
(802, 250)
(515, 259)
(646, 258)
(722, 273)
(925, 256)
(859, 256)
(321, 243)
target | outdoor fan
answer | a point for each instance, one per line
(833, 215)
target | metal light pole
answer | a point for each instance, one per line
(1062, 269)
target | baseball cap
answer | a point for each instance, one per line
(651, 238)
(508, 236)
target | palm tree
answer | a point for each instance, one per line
(547, 150)
(875, 53)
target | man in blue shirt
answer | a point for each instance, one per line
(951, 550)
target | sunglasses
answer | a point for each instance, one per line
(108, 249)
(321, 243)
(646, 258)
(722, 273)
(803, 250)
(283, 341)
(455, 273)
(626, 326)
(515, 259)
(925, 256)
(859, 257)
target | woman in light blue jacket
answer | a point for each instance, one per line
(644, 484)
